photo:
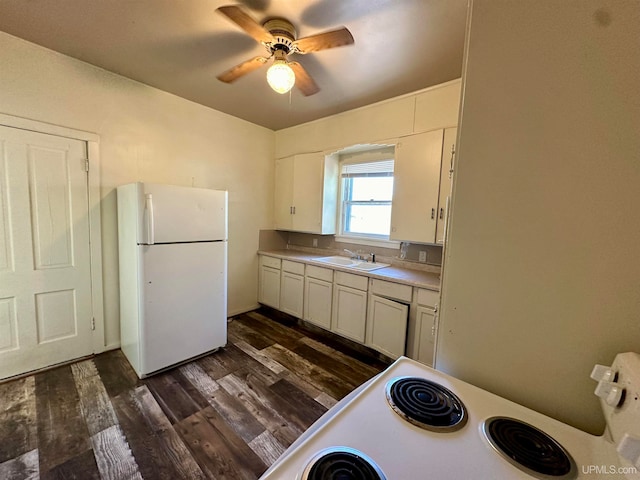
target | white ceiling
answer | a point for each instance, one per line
(181, 45)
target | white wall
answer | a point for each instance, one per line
(148, 135)
(541, 271)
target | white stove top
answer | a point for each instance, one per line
(366, 423)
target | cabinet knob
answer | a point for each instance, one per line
(610, 392)
(629, 449)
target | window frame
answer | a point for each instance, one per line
(371, 156)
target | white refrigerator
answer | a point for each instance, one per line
(173, 273)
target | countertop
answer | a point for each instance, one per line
(415, 278)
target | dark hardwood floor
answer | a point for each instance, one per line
(225, 416)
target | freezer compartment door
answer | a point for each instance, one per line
(185, 302)
(183, 214)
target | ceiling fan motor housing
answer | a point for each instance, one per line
(283, 33)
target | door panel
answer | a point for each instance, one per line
(45, 271)
(8, 325)
(50, 208)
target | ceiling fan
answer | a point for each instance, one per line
(279, 38)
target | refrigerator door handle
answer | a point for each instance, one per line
(148, 219)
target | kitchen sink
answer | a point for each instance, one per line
(337, 260)
(348, 262)
(368, 266)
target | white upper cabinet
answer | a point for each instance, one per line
(446, 174)
(426, 110)
(283, 197)
(306, 193)
(416, 174)
(437, 107)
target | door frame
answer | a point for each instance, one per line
(92, 141)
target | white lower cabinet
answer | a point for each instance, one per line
(292, 294)
(318, 296)
(426, 326)
(394, 319)
(292, 288)
(269, 281)
(349, 315)
(387, 326)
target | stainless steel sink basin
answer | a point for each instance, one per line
(355, 264)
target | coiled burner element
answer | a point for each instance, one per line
(342, 463)
(529, 448)
(426, 404)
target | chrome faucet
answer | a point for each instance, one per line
(353, 255)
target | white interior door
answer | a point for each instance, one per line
(45, 275)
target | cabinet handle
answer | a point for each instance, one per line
(434, 326)
(441, 213)
(294, 210)
(290, 210)
(453, 153)
(433, 214)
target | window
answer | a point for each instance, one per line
(367, 190)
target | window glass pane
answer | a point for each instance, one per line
(371, 188)
(368, 219)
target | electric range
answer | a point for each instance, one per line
(413, 422)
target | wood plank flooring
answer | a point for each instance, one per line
(228, 415)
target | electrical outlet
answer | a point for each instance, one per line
(422, 256)
(315, 242)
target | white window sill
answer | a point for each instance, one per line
(371, 242)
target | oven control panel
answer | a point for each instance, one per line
(619, 391)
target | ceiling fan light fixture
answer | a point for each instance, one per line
(280, 76)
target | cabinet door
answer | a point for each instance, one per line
(269, 288)
(416, 180)
(387, 326)
(349, 314)
(446, 172)
(317, 302)
(308, 179)
(426, 331)
(291, 294)
(283, 197)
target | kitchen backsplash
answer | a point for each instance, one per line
(276, 240)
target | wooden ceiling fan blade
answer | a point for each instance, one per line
(304, 82)
(242, 69)
(322, 41)
(246, 22)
